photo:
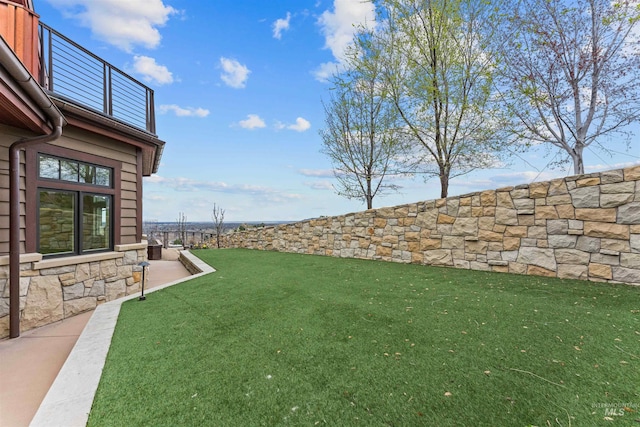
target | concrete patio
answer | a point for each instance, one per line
(30, 364)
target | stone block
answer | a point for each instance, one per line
(613, 176)
(526, 219)
(546, 212)
(588, 244)
(504, 200)
(632, 174)
(626, 275)
(517, 268)
(521, 204)
(427, 219)
(73, 292)
(606, 230)
(520, 193)
(465, 201)
(488, 198)
(77, 306)
(383, 251)
(506, 216)
(538, 190)
(576, 225)
(557, 186)
(116, 289)
(529, 242)
(623, 187)
(557, 226)
(479, 247)
(516, 231)
(511, 243)
(486, 222)
(43, 304)
(634, 242)
(97, 289)
(630, 261)
(499, 228)
(565, 211)
(427, 244)
(601, 215)
(476, 211)
(452, 242)
(538, 257)
(614, 200)
(605, 259)
(629, 213)
(534, 270)
(601, 271)
(489, 236)
(572, 256)
(465, 227)
(83, 272)
(563, 199)
(479, 266)
(587, 182)
(562, 241)
(438, 257)
(461, 263)
(568, 271)
(586, 197)
(615, 245)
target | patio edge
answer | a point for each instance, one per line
(68, 402)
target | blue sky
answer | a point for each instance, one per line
(239, 86)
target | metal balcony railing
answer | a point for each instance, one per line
(70, 71)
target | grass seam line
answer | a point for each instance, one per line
(537, 376)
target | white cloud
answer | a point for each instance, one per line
(151, 71)
(281, 25)
(184, 112)
(122, 23)
(253, 121)
(339, 27)
(326, 70)
(317, 173)
(319, 185)
(234, 74)
(301, 125)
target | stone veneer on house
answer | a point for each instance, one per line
(580, 227)
(57, 288)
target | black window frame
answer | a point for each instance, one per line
(79, 190)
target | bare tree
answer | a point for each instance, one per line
(181, 223)
(360, 135)
(571, 72)
(218, 222)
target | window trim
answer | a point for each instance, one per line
(33, 183)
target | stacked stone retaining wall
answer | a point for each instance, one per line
(54, 289)
(580, 227)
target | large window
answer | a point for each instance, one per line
(75, 206)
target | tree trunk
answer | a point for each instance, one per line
(578, 162)
(444, 184)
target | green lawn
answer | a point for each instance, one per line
(287, 339)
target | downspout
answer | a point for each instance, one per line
(14, 223)
(26, 81)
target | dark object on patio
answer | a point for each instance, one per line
(154, 252)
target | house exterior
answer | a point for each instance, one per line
(77, 136)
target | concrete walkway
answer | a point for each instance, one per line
(30, 364)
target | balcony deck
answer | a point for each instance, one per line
(71, 73)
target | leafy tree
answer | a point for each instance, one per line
(360, 135)
(218, 222)
(440, 78)
(570, 72)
